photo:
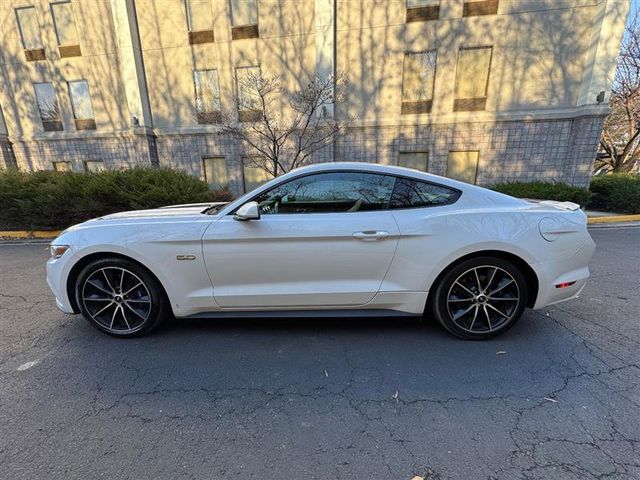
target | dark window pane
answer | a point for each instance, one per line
(329, 193)
(413, 193)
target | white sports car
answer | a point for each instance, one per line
(338, 239)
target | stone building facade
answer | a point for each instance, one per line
(482, 90)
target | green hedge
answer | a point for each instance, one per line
(545, 191)
(53, 200)
(619, 192)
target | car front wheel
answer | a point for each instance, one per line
(120, 297)
(480, 298)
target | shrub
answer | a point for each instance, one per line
(618, 192)
(545, 191)
(53, 200)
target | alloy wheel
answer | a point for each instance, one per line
(483, 299)
(117, 299)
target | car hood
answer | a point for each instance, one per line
(155, 213)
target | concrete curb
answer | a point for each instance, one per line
(613, 219)
(30, 234)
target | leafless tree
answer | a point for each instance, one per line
(280, 138)
(620, 142)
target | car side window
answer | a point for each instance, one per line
(330, 192)
(414, 193)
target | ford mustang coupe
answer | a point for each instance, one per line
(337, 239)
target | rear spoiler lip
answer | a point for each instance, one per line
(568, 206)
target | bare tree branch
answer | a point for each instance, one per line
(620, 142)
(282, 130)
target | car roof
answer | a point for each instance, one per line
(473, 193)
(379, 168)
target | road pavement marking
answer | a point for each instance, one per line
(28, 365)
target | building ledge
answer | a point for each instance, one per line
(398, 121)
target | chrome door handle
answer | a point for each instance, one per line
(370, 235)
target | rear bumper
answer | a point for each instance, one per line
(570, 268)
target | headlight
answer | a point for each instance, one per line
(58, 250)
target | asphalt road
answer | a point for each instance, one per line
(556, 397)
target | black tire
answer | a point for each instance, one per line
(478, 307)
(121, 298)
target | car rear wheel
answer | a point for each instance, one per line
(120, 297)
(480, 298)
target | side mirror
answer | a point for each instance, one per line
(248, 211)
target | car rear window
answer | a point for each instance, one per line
(414, 194)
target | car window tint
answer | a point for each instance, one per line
(329, 193)
(414, 193)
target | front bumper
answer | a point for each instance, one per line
(58, 270)
(567, 269)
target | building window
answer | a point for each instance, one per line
(415, 160)
(30, 33)
(215, 172)
(62, 166)
(472, 79)
(419, 71)
(479, 7)
(244, 16)
(463, 165)
(208, 109)
(422, 10)
(81, 104)
(254, 176)
(199, 21)
(48, 107)
(93, 166)
(66, 32)
(248, 99)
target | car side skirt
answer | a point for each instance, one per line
(340, 313)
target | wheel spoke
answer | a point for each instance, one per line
(495, 270)
(495, 309)
(465, 288)
(104, 273)
(113, 317)
(484, 307)
(121, 278)
(102, 310)
(97, 299)
(132, 289)
(475, 271)
(99, 287)
(469, 299)
(475, 315)
(129, 307)
(503, 299)
(138, 301)
(456, 317)
(500, 288)
(124, 316)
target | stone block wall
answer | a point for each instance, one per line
(122, 151)
(549, 150)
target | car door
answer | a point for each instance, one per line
(323, 240)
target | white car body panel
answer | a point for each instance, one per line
(313, 262)
(298, 260)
